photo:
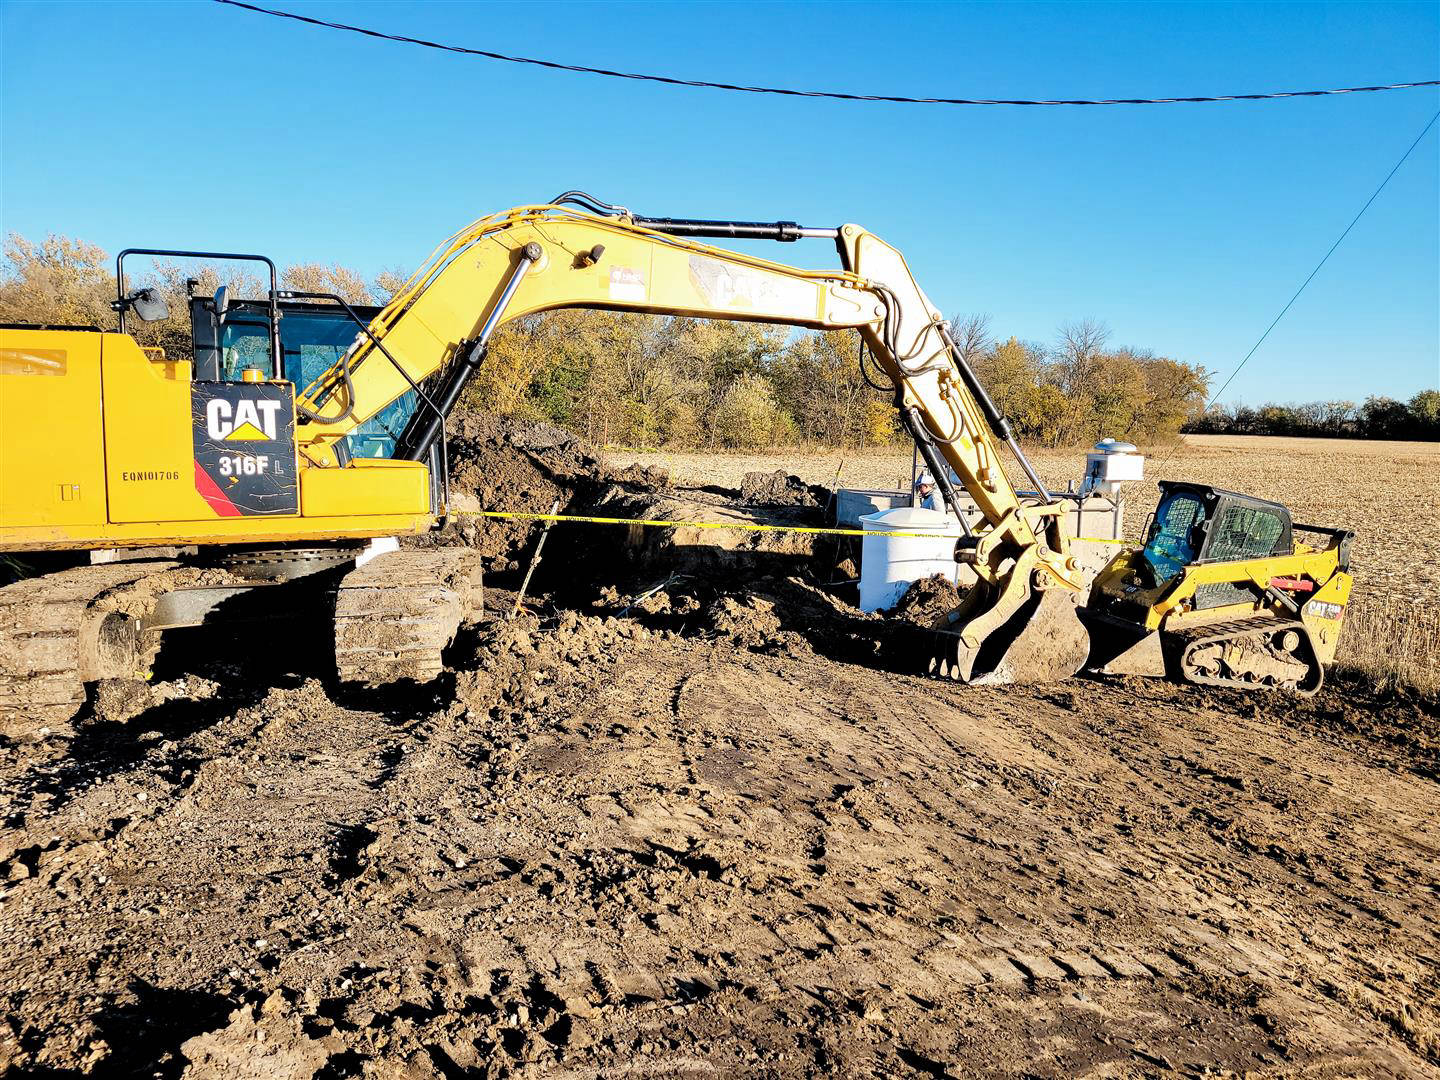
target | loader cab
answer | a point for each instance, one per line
(313, 336)
(1195, 524)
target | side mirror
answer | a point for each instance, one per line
(222, 303)
(148, 305)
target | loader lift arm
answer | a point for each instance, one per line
(544, 257)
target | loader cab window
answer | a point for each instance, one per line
(1247, 532)
(1176, 535)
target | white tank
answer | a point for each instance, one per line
(890, 564)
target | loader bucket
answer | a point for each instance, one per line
(1118, 647)
(1023, 635)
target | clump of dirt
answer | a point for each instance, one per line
(259, 1043)
(928, 602)
(513, 464)
(780, 489)
(751, 622)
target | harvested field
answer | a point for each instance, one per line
(711, 828)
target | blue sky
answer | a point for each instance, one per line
(1185, 228)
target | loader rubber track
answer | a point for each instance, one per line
(395, 616)
(60, 631)
(1249, 654)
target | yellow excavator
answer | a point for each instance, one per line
(305, 432)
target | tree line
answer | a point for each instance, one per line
(1375, 418)
(619, 378)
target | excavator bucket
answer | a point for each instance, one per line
(1022, 635)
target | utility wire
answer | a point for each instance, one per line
(1353, 221)
(788, 92)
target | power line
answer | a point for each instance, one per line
(788, 92)
(1324, 259)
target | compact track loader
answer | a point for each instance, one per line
(1222, 594)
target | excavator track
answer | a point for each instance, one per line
(395, 616)
(1249, 654)
(60, 631)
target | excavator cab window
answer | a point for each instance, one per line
(312, 338)
(244, 343)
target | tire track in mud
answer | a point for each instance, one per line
(611, 850)
(1009, 948)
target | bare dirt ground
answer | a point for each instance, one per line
(719, 831)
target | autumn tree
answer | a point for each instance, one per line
(818, 382)
(318, 278)
(640, 380)
(60, 281)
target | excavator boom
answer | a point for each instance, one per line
(551, 256)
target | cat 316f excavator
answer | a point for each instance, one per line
(304, 429)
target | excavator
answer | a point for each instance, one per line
(306, 434)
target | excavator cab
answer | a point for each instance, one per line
(233, 336)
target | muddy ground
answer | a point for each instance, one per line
(718, 829)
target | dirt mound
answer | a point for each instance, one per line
(928, 601)
(517, 465)
(780, 489)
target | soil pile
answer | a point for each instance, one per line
(780, 489)
(516, 465)
(928, 602)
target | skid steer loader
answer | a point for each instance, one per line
(1222, 594)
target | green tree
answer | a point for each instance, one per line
(1425, 414)
(748, 415)
(1384, 418)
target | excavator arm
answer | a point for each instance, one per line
(540, 258)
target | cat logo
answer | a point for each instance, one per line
(246, 421)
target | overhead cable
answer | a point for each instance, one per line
(833, 95)
(1323, 260)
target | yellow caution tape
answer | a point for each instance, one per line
(812, 530)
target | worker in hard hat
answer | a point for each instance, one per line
(925, 491)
